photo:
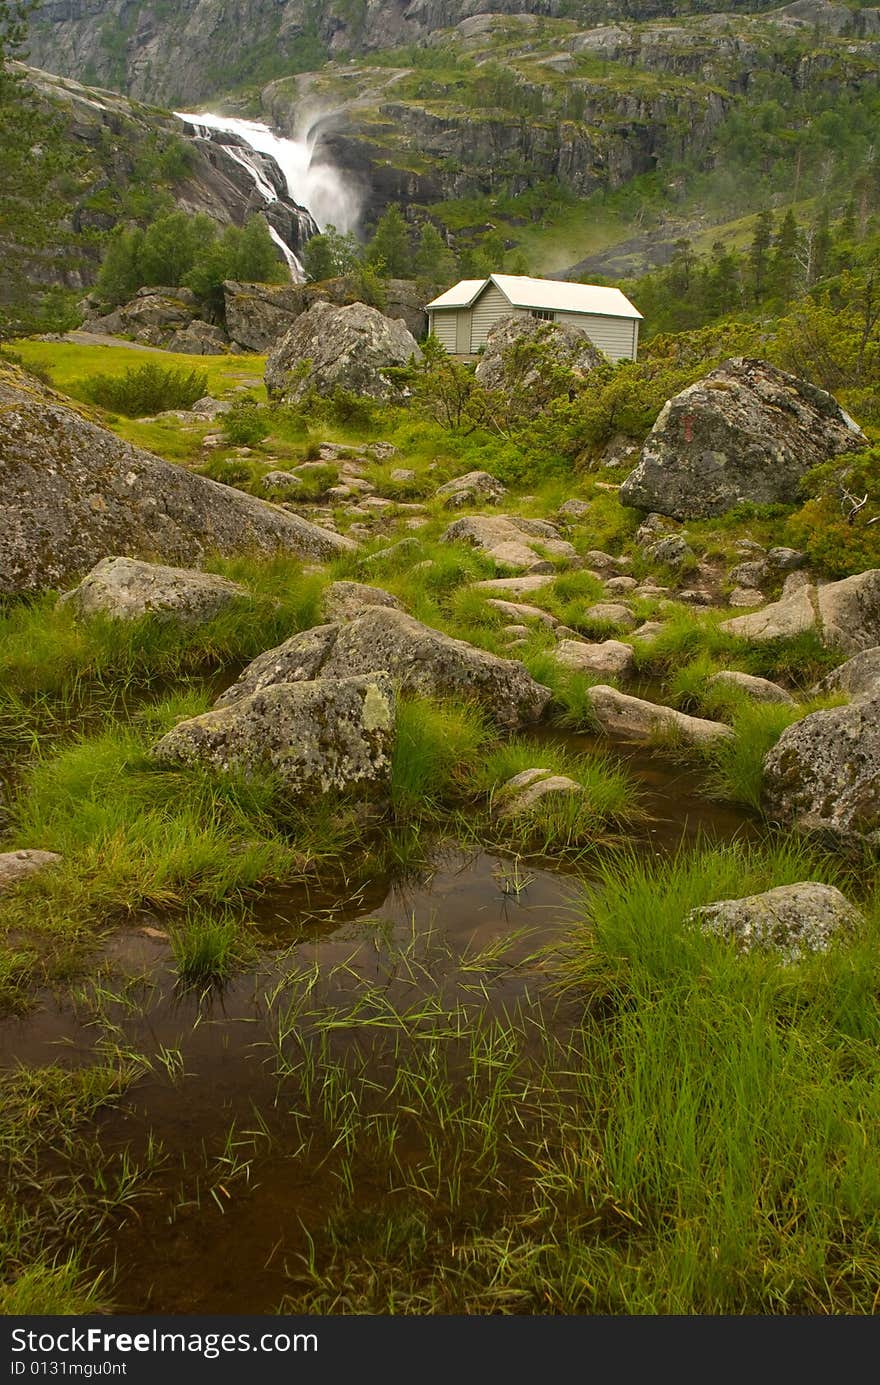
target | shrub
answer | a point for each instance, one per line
(246, 424)
(145, 389)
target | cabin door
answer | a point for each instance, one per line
(463, 333)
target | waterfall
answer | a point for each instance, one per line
(317, 186)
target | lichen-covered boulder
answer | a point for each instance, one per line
(528, 360)
(315, 737)
(859, 676)
(791, 919)
(747, 432)
(474, 488)
(127, 589)
(352, 348)
(73, 493)
(608, 659)
(418, 659)
(823, 774)
(512, 541)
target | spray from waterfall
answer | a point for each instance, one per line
(319, 187)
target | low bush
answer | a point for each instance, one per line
(145, 389)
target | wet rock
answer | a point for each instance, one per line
(633, 719)
(748, 432)
(792, 919)
(532, 786)
(418, 659)
(527, 360)
(474, 488)
(859, 676)
(760, 689)
(352, 348)
(823, 774)
(19, 865)
(107, 497)
(345, 600)
(127, 589)
(609, 659)
(315, 737)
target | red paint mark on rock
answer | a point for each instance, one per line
(688, 425)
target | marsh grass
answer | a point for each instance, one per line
(438, 744)
(208, 946)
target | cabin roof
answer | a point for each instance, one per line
(549, 295)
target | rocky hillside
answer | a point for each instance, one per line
(196, 48)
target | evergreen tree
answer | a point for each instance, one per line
(759, 254)
(783, 269)
(330, 254)
(435, 263)
(389, 250)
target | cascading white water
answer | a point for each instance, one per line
(317, 186)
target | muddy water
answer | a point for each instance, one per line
(237, 1189)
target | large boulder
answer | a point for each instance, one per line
(791, 919)
(747, 432)
(166, 317)
(127, 589)
(528, 360)
(74, 493)
(315, 737)
(351, 347)
(258, 315)
(418, 659)
(845, 614)
(859, 676)
(823, 774)
(634, 719)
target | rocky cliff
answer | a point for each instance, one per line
(194, 49)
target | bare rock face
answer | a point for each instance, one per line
(474, 488)
(316, 737)
(845, 614)
(153, 316)
(747, 432)
(417, 658)
(633, 719)
(127, 589)
(823, 774)
(351, 347)
(792, 919)
(526, 358)
(259, 315)
(74, 493)
(19, 865)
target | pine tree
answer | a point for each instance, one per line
(434, 262)
(783, 269)
(759, 253)
(390, 250)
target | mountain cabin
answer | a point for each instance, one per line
(462, 317)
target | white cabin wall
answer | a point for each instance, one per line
(489, 307)
(613, 335)
(443, 325)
